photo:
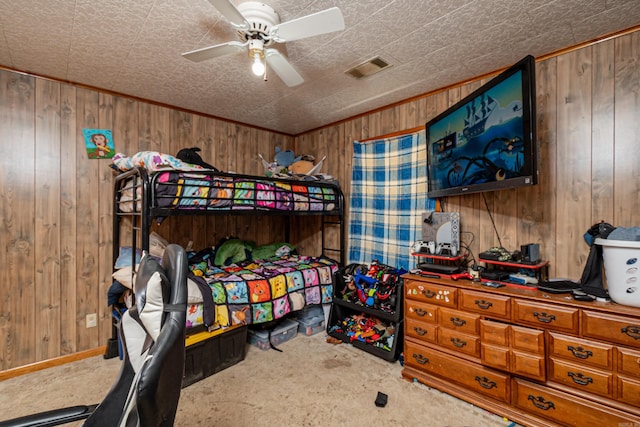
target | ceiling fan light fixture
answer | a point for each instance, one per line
(258, 26)
(258, 64)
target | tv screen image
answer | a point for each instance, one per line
(487, 140)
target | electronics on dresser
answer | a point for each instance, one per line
(438, 268)
(496, 253)
(522, 279)
(442, 228)
(423, 247)
(530, 253)
(494, 275)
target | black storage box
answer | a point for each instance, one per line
(339, 312)
(386, 311)
(211, 352)
(386, 305)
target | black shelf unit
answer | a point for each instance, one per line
(539, 269)
(341, 309)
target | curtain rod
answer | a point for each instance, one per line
(392, 134)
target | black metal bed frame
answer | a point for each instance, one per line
(145, 207)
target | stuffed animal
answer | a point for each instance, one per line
(285, 158)
(286, 163)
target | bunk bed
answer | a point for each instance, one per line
(152, 186)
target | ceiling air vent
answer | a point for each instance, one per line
(368, 68)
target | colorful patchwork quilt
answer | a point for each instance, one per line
(259, 291)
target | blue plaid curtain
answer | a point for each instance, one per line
(388, 196)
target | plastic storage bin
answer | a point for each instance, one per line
(311, 326)
(264, 339)
(622, 270)
(211, 352)
(310, 320)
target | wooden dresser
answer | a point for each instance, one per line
(538, 359)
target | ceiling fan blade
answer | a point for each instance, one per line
(326, 21)
(279, 64)
(215, 51)
(230, 12)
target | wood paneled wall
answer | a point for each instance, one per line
(588, 110)
(55, 203)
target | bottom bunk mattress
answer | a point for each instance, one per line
(259, 291)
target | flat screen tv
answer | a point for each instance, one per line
(486, 141)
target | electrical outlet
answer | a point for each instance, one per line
(92, 320)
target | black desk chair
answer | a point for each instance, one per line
(152, 333)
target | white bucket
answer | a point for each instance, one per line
(622, 270)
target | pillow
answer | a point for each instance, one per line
(124, 257)
(152, 161)
(123, 276)
(157, 245)
(272, 250)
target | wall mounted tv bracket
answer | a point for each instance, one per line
(443, 228)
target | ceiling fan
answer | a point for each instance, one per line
(259, 26)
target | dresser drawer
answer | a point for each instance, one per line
(495, 356)
(491, 305)
(546, 316)
(430, 292)
(611, 328)
(494, 333)
(459, 320)
(628, 361)
(629, 390)
(421, 330)
(528, 365)
(566, 409)
(470, 375)
(421, 311)
(460, 342)
(581, 351)
(527, 339)
(581, 377)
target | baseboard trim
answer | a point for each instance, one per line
(50, 363)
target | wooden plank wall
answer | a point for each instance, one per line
(588, 105)
(55, 203)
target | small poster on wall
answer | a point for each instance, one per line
(99, 143)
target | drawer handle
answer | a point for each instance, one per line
(540, 403)
(485, 305)
(458, 342)
(428, 293)
(580, 379)
(458, 321)
(544, 317)
(486, 382)
(580, 352)
(420, 359)
(419, 331)
(420, 312)
(632, 331)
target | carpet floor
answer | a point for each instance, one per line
(309, 383)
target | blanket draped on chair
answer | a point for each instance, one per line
(388, 196)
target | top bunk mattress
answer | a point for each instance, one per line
(171, 186)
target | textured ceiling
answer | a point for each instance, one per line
(134, 47)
